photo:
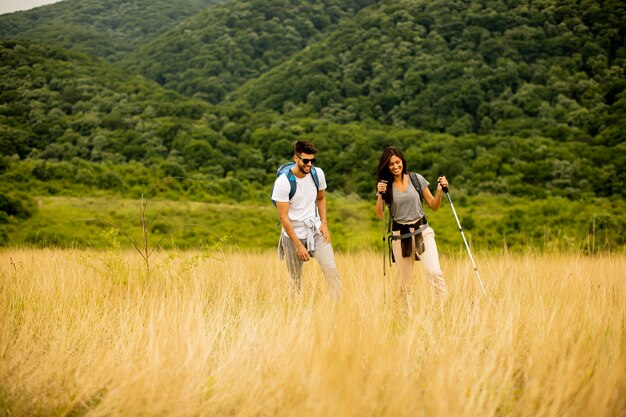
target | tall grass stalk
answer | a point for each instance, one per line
(86, 333)
(145, 251)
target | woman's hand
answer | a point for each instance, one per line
(442, 182)
(382, 187)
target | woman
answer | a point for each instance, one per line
(413, 239)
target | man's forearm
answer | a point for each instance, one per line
(286, 223)
(321, 209)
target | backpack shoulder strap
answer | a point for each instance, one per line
(316, 178)
(417, 184)
(292, 183)
(285, 169)
(293, 186)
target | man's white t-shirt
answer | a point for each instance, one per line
(303, 205)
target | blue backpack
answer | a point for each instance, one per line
(286, 170)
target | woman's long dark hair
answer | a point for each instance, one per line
(383, 173)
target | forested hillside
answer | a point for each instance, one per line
(523, 68)
(105, 28)
(62, 106)
(220, 48)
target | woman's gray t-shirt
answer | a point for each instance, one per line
(407, 207)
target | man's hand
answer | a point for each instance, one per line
(303, 254)
(325, 232)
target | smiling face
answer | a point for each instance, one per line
(395, 166)
(304, 168)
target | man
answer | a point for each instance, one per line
(303, 217)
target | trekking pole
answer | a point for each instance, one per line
(445, 190)
(384, 256)
(384, 237)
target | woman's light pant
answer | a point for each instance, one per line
(429, 259)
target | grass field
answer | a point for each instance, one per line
(218, 334)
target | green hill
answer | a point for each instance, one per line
(110, 28)
(220, 48)
(549, 68)
(60, 105)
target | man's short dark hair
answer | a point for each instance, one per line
(304, 146)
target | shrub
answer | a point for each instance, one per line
(16, 205)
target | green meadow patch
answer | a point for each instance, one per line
(489, 223)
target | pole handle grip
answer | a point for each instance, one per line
(445, 189)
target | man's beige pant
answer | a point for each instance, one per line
(429, 259)
(323, 253)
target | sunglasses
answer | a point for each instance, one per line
(306, 161)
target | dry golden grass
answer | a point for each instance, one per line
(87, 333)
